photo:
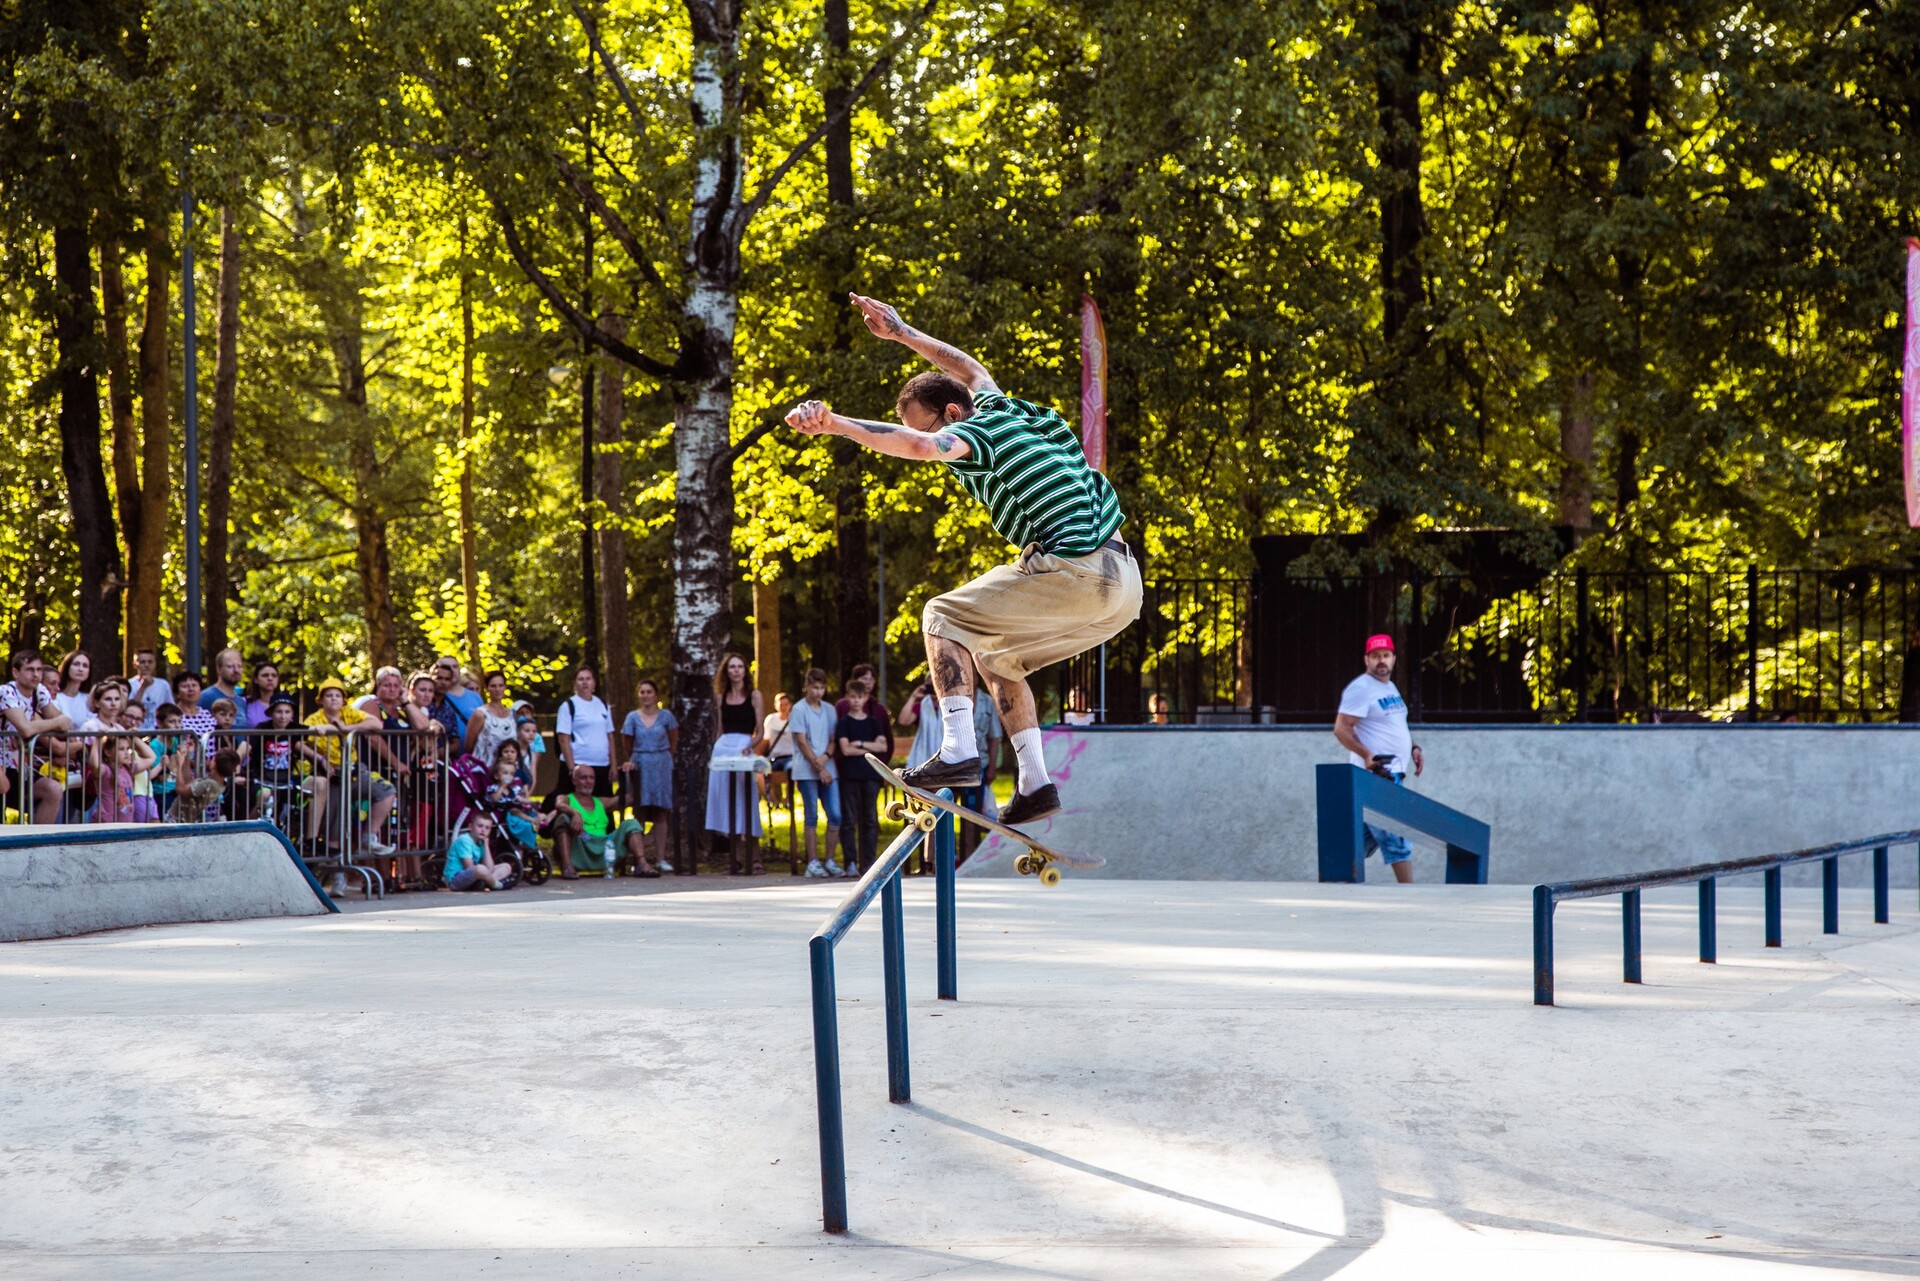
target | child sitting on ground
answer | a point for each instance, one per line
(470, 864)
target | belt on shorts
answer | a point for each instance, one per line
(1116, 545)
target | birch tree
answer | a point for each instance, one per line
(688, 277)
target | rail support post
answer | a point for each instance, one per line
(1542, 945)
(826, 1084)
(1830, 895)
(1881, 907)
(893, 954)
(1709, 924)
(1630, 936)
(946, 942)
(1773, 907)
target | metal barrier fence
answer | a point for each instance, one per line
(1183, 663)
(1707, 875)
(374, 804)
(882, 880)
(1549, 647)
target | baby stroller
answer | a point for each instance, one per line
(470, 783)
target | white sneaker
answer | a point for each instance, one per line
(337, 888)
(377, 846)
(834, 869)
(814, 869)
(664, 866)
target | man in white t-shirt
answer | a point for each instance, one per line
(584, 727)
(1372, 726)
(150, 690)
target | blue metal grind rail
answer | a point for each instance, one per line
(881, 880)
(1706, 875)
(1343, 794)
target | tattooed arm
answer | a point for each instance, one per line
(813, 418)
(885, 322)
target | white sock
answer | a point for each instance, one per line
(1033, 762)
(956, 730)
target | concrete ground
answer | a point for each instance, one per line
(1142, 1080)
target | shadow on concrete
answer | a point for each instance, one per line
(1112, 1176)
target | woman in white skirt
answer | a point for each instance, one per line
(738, 707)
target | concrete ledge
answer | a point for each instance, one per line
(1565, 801)
(56, 881)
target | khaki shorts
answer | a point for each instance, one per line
(1041, 609)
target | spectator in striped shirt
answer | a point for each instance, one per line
(1073, 586)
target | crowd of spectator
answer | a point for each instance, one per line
(413, 762)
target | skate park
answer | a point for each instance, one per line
(540, 540)
(1180, 1077)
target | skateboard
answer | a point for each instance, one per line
(918, 808)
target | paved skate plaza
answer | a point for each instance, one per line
(1141, 1080)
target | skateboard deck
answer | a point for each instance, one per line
(1039, 859)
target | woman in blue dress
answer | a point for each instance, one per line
(655, 736)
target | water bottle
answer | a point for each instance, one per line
(613, 857)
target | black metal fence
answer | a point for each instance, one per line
(1571, 645)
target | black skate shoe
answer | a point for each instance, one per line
(934, 774)
(1030, 809)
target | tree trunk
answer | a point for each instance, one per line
(126, 441)
(469, 549)
(1576, 453)
(766, 641)
(372, 557)
(1403, 220)
(1631, 182)
(853, 563)
(703, 563)
(1391, 439)
(156, 445)
(590, 622)
(77, 376)
(226, 372)
(853, 598)
(616, 640)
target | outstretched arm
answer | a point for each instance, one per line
(813, 418)
(885, 322)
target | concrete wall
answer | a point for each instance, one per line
(56, 881)
(1564, 801)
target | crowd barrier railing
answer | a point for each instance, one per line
(374, 804)
(1706, 876)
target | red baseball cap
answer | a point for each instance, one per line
(1381, 641)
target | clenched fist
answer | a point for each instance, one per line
(811, 418)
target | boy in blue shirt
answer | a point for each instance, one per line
(469, 864)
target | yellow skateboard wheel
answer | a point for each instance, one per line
(1023, 864)
(1050, 876)
(926, 820)
(897, 811)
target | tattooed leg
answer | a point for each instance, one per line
(951, 665)
(1014, 699)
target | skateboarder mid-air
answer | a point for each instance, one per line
(1074, 585)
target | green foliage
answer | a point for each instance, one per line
(1688, 218)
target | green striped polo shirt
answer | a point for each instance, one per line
(1027, 466)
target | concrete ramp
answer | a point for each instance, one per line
(56, 881)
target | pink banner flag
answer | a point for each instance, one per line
(1910, 389)
(1093, 383)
